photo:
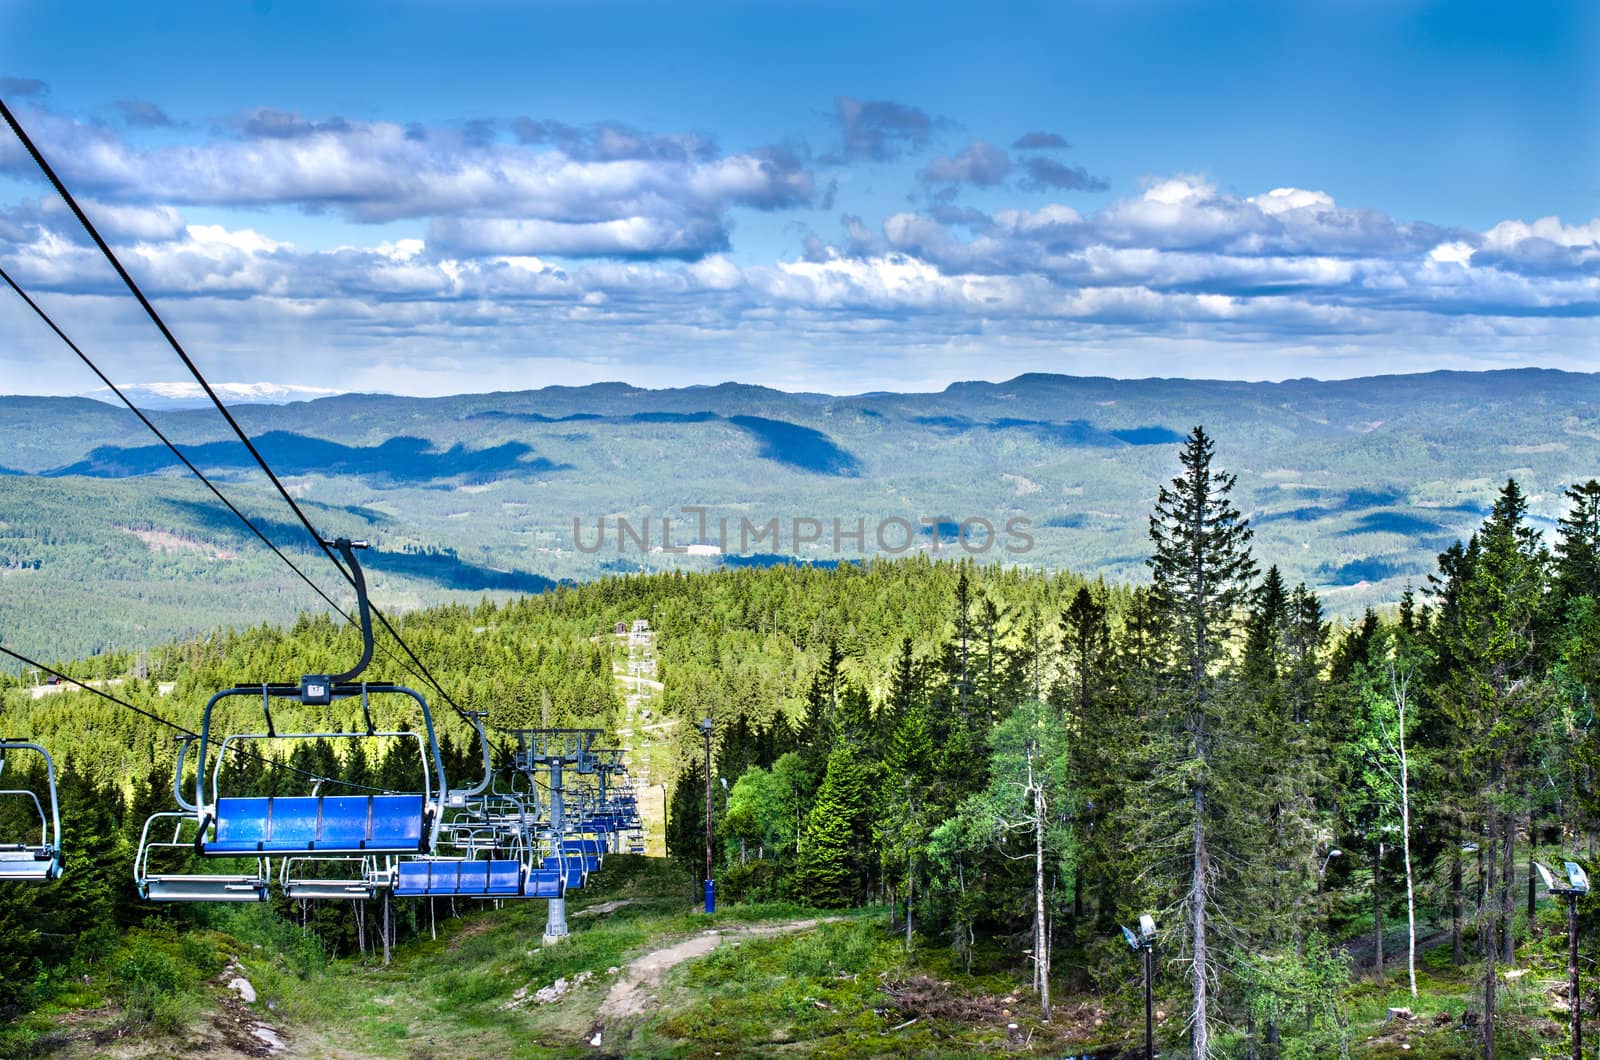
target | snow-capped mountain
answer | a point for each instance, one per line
(189, 395)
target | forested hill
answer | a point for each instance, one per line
(1352, 486)
(1015, 763)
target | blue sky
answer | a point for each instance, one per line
(433, 198)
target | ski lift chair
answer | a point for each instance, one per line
(22, 859)
(367, 824)
(157, 883)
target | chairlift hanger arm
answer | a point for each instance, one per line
(347, 548)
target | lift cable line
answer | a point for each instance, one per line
(119, 701)
(172, 447)
(177, 347)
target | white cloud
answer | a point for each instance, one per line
(385, 171)
(1279, 200)
(1508, 234)
(245, 239)
(614, 249)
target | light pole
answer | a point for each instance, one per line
(1577, 883)
(1144, 943)
(1322, 872)
(711, 884)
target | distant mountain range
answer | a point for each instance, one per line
(1353, 486)
(191, 396)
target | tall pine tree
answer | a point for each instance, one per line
(1200, 571)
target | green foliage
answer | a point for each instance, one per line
(879, 729)
(1302, 992)
(835, 858)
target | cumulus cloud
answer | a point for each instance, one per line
(1180, 253)
(622, 237)
(880, 130)
(1046, 174)
(23, 88)
(270, 124)
(605, 189)
(143, 114)
(1181, 238)
(532, 234)
(1040, 141)
(611, 141)
(980, 164)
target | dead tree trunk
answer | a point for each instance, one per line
(911, 884)
(1041, 941)
(1491, 943)
(1197, 904)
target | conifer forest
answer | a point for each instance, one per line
(1336, 827)
(799, 530)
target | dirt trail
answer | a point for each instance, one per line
(629, 995)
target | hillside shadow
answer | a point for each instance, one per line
(1392, 522)
(782, 442)
(801, 448)
(1357, 500)
(1369, 569)
(532, 417)
(1067, 433)
(403, 460)
(439, 566)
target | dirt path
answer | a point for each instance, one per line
(630, 995)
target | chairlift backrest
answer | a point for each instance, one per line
(461, 797)
(317, 823)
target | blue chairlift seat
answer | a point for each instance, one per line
(458, 878)
(590, 851)
(324, 824)
(545, 883)
(571, 866)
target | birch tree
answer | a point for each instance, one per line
(1028, 797)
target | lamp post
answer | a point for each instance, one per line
(711, 884)
(1576, 883)
(1144, 944)
(1322, 872)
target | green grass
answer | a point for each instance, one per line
(820, 992)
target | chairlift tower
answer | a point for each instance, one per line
(607, 763)
(554, 750)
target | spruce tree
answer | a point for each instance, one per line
(835, 855)
(1094, 741)
(1200, 572)
(1578, 550)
